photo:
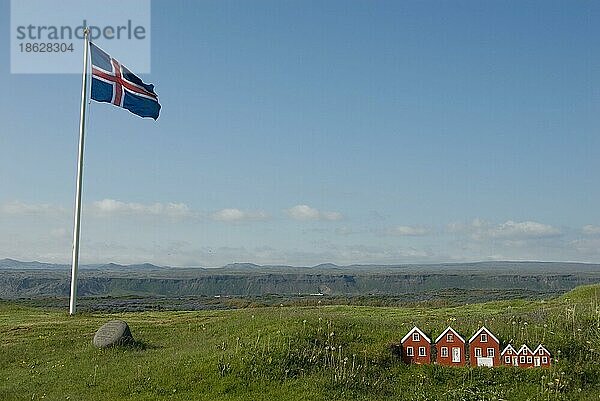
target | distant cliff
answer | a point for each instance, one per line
(240, 280)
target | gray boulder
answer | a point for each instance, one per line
(113, 333)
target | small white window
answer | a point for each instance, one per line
(522, 359)
(444, 352)
(416, 337)
(484, 338)
(410, 351)
(422, 351)
(544, 359)
(477, 351)
(507, 359)
(450, 337)
(529, 359)
(490, 352)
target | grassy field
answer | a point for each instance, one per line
(296, 353)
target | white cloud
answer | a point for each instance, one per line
(108, 207)
(306, 213)
(60, 232)
(510, 230)
(525, 229)
(345, 231)
(21, 208)
(111, 207)
(587, 248)
(303, 212)
(237, 215)
(591, 230)
(406, 231)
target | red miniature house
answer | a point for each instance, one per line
(416, 347)
(450, 347)
(484, 349)
(541, 357)
(525, 355)
(509, 356)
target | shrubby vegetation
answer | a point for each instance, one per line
(297, 352)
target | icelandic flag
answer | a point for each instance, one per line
(113, 83)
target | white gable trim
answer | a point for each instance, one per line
(508, 348)
(489, 333)
(524, 347)
(406, 337)
(446, 331)
(541, 348)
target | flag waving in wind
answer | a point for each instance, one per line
(113, 83)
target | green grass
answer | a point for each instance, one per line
(295, 353)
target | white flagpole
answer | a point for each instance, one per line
(76, 228)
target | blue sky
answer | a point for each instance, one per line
(303, 132)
